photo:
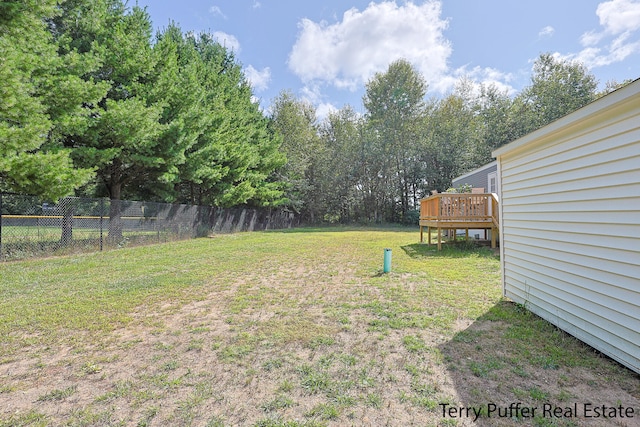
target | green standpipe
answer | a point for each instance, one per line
(387, 261)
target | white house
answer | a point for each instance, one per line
(570, 223)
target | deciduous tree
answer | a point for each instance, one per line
(296, 122)
(558, 87)
(395, 104)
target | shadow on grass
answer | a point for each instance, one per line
(509, 356)
(343, 228)
(458, 249)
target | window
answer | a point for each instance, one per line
(492, 182)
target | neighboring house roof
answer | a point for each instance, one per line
(475, 171)
(479, 178)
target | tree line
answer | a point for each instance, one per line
(93, 103)
(376, 166)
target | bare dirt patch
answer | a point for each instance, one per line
(201, 364)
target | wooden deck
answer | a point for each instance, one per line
(451, 211)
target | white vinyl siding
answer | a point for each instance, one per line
(570, 223)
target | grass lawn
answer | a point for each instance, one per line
(286, 328)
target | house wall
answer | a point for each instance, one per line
(570, 223)
(476, 178)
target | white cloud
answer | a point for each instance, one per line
(348, 53)
(259, 79)
(616, 40)
(256, 4)
(312, 93)
(546, 31)
(324, 109)
(591, 38)
(618, 16)
(227, 40)
(477, 76)
(215, 10)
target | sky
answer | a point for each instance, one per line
(326, 51)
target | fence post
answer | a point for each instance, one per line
(1, 256)
(101, 216)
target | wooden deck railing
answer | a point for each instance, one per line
(460, 211)
(465, 207)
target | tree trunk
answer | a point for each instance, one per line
(66, 237)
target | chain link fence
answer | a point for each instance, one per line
(32, 227)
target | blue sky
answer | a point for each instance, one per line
(326, 51)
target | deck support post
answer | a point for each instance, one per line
(421, 238)
(439, 238)
(493, 237)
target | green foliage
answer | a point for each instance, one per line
(377, 167)
(501, 121)
(92, 102)
(336, 174)
(462, 188)
(122, 137)
(295, 121)
(170, 120)
(558, 87)
(395, 112)
(453, 132)
(230, 153)
(41, 97)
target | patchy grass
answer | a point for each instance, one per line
(58, 394)
(284, 328)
